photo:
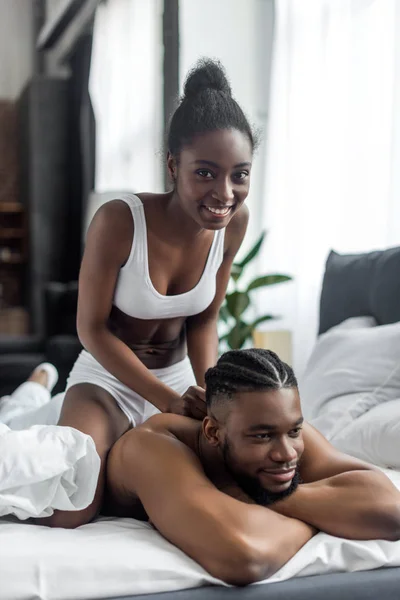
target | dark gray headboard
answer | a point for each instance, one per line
(358, 285)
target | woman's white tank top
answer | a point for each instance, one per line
(135, 294)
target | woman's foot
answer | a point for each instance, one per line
(39, 376)
(46, 375)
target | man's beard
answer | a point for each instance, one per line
(251, 485)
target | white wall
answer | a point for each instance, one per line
(53, 7)
(239, 34)
(16, 46)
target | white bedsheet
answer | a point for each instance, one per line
(119, 557)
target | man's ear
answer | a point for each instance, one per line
(171, 166)
(212, 431)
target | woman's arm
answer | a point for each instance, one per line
(342, 495)
(236, 542)
(201, 329)
(107, 248)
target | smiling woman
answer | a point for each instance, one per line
(154, 275)
(214, 176)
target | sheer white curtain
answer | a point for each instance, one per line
(332, 171)
(126, 91)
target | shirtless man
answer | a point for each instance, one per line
(226, 490)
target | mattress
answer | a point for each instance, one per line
(121, 558)
(366, 585)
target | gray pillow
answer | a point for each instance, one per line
(358, 285)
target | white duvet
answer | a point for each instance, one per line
(45, 468)
(121, 557)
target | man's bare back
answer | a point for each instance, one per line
(122, 499)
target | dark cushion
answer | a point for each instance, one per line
(61, 304)
(356, 285)
(19, 355)
(62, 351)
(12, 344)
(16, 368)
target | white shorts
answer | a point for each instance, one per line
(87, 370)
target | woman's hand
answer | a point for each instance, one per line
(191, 404)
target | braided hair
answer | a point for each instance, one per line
(207, 105)
(246, 371)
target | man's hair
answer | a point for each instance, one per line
(207, 105)
(249, 370)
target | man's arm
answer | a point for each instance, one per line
(342, 495)
(233, 541)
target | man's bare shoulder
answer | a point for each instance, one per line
(184, 429)
(164, 447)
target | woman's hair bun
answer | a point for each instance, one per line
(207, 74)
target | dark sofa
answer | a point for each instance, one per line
(58, 344)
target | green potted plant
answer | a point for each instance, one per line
(238, 301)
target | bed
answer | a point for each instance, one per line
(366, 585)
(121, 559)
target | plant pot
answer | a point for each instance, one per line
(279, 341)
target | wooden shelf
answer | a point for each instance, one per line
(11, 207)
(8, 233)
(13, 255)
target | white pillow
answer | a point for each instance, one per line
(374, 437)
(354, 323)
(353, 368)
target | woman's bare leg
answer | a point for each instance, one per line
(93, 411)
